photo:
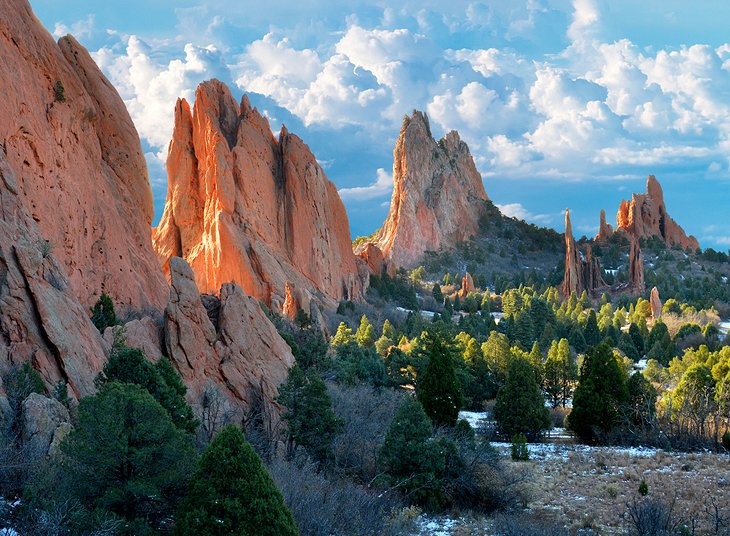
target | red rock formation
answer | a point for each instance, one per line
(78, 161)
(245, 207)
(375, 259)
(467, 285)
(291, 304)
(646, 216)
(582, 271)
(438, 194)
(605, 231)
(656, 303)
(241, 354)
(636, 268)
(41, 319)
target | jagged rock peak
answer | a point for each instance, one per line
(656, 303)
(69, 139)
(246, 207)
(438, 194)
(646, 216)
(582, 271)
(636, 268)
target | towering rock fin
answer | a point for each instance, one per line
(438, 194)
(247, 207)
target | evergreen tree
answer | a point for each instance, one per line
(231, 493)
(365, 335)
(577, 340)
(161, 380)
(591, 333)
(437, 387)
(383, 345)
(537, 360)
(389, 330)
(637, 338)
(524, 329)
(311, 422)
(410, 458)
(343, 336)
(125, 456)
(600, 396)
(437, 294)
(102, 313)
(520, 407)
(447, 279)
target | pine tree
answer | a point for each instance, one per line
(520, 407)
(161, 380)
(232, 493)
(389, 330)
(600, 397)
(524, 329)
(437, 294)
(437, 387)
(591, 333)
(126, 456)
(409, 457)
(365, 335)
(343, 336)
(102, 313)
(311, 422)
(537, 360)
(637, 338)
(577, 340)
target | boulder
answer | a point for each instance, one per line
(42, 417)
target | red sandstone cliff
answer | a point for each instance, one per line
(78, 162)
(438, 194)
(646, 216)
(245, 207)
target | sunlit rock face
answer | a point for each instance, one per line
(438, 194)
(246, 207)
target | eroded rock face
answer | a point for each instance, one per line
(245, 207)
(243, 356)
(646, 216)
(43, 420)
(78, 161)
(605, 231)
(438, 194)
(582, 270)
(467, 285)
(375, 260)
(41, 319)
(636, 268)
(656, 303)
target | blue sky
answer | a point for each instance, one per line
(562, 103)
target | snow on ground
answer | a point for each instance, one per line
(424, 314)
(724, 327)
(476, 419)
(562, 451)
(430, 526)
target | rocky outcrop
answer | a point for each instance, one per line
(375, 260)
(41, 319)
(79, 164)
(582, 270)
(44, 423)
(438, 194)
(605, 231)
(636, 268)
(245, 207)
(241, 353)
(645, 216)
(656, 303)
(467, 286)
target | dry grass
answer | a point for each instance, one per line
(591, 490)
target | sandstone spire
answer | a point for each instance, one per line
(438, 194)
(81, 171)
(605, 231)
(246, 207)
(636, 268)
(582, 270)
(646, 216)
(656, 303)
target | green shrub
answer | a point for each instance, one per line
(520, 452)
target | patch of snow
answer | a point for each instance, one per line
(562, 451)
(724, 327)
(497, 317)
(476, 419)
